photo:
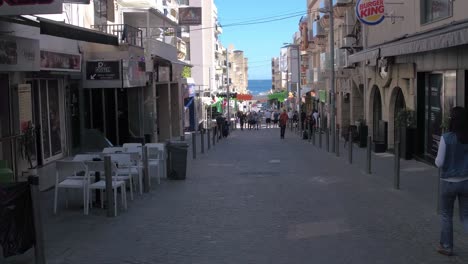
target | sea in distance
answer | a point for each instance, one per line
(259, 87)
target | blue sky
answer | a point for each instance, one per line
(260, 42)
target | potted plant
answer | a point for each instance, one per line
(28, 146)
(406, 132)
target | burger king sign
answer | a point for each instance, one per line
(370, 12)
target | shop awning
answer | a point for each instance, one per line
(368, 55)
(166, 61)
(59, 29)
(446, 37)
(449, 36)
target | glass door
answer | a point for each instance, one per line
(434, 114)
(50, 119)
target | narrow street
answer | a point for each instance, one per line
(254, 198)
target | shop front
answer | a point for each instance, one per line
(113, 99)
(437, 94)
(20, 55)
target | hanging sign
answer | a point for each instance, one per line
(370, 12)
(102, 70)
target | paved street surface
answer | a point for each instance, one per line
(254, 198)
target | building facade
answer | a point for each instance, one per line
(89, 76)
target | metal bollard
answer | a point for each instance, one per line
(39, 248)
(214, 136)
(109, 192)
(396, 180)
(208, 138)
(146, 176)
(202, 141)
(350, 148)
(327, 139)
(194, 145)
(438, 193)
(320, 137)
(337, 142)
(369, 156)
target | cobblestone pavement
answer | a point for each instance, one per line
(254, 198)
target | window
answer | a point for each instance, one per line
(100, 12)
(434, 10)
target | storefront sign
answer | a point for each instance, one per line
(370, 12)
(55, 61)
(102, 70)
(190, 16)
(30, 7)
(19, 54)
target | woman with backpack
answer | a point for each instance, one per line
(452, 159)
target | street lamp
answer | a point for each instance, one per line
(298, 91)
(332, 69)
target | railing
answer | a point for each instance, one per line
(125, 33)
(166, 35)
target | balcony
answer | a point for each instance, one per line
(325, 62)
(125, 33)
(181, 49)
(325, 18)
(340, 7)
(318, 34)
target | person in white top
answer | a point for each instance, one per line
(267, 118)
(452, 159)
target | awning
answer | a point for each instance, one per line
(62, 30)
(368, 55)
(167, 61)
(449, 36)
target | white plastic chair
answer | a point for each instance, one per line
(101, 185)
(66, 169)
(162, 157)
(111, 150)
(125, 171)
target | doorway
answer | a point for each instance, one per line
(377, 116)
(399, 105)
(5, 121)
(48, 118)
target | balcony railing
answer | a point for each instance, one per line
(166, 35)
(125, 33)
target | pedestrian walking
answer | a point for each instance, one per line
(276, 118)
(267, 118)
(303, 119)
(452, 158)
(283, 120)
(242, 118)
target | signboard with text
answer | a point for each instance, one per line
(56, 61)
(103, 70)
(19, 54)
(370, 12)
(30, 7)
(190, 16)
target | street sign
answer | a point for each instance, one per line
(102, 70)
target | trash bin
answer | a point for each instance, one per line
(177, 160)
